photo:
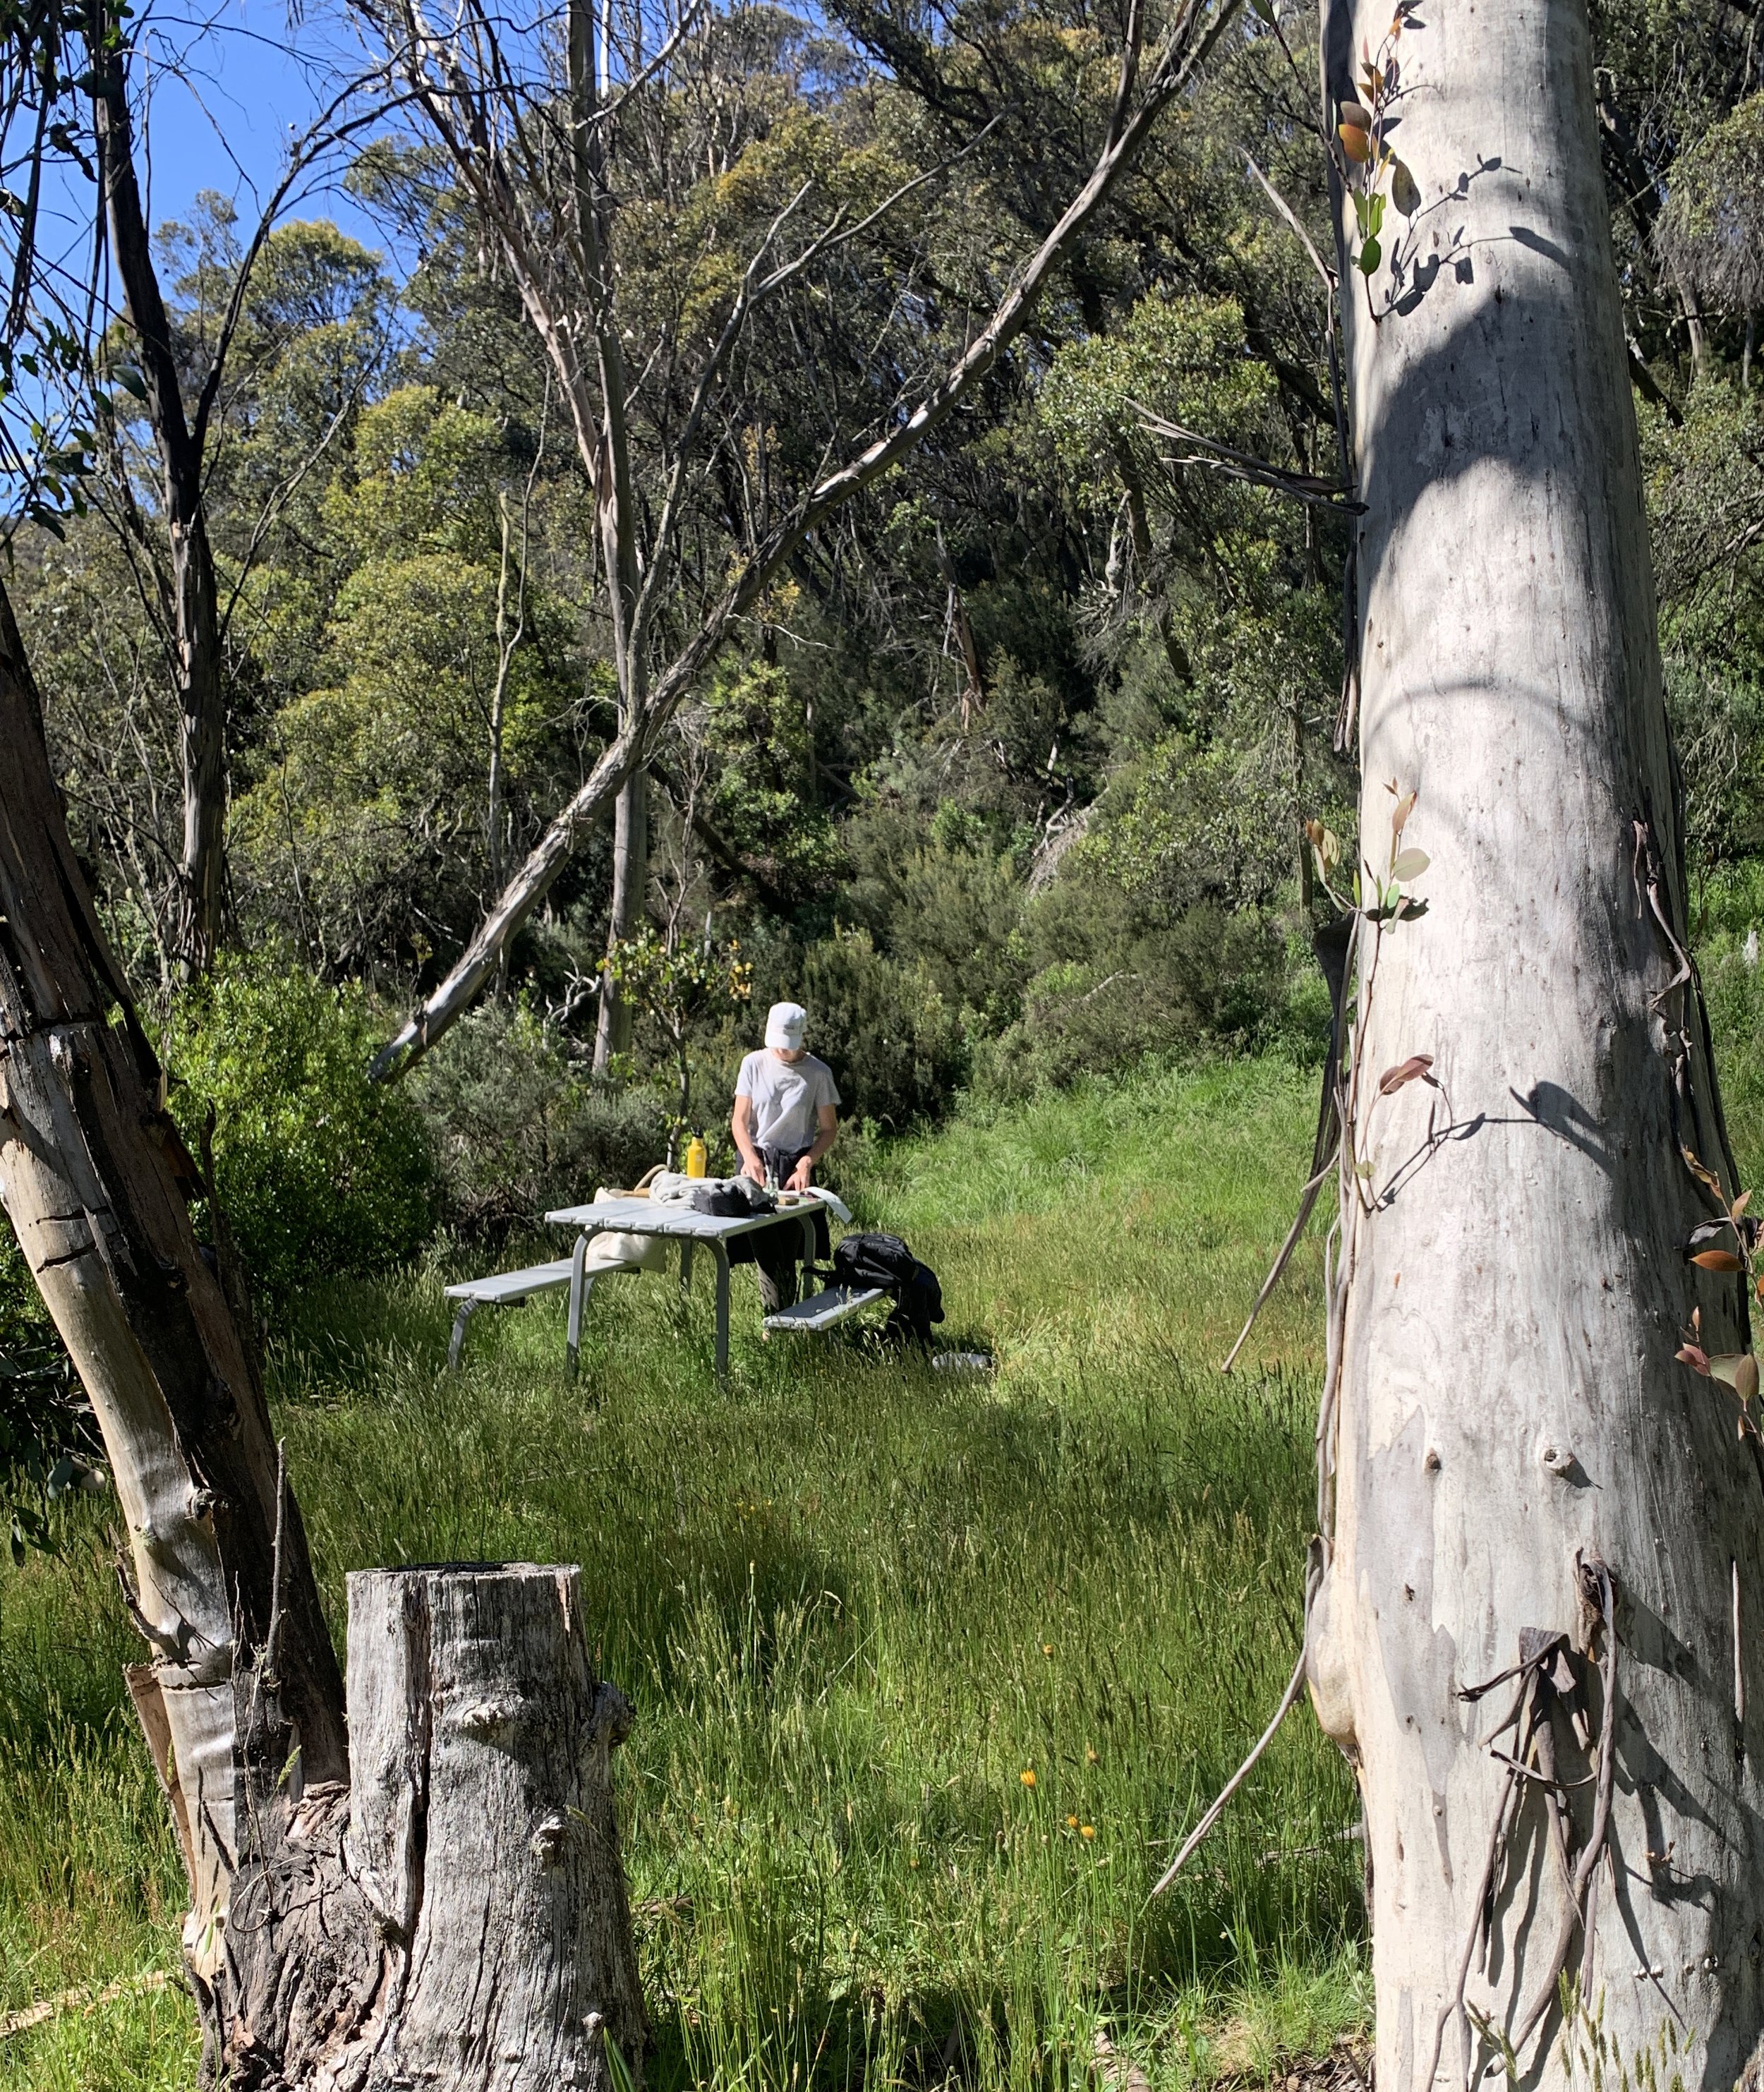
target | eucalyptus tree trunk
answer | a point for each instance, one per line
(97, 1184)
(630, 880)
(191, 590)
(1520, 1472)
(456, 1917)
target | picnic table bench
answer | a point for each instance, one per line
(821, 1311)
(668, 1222)
(507, 1289)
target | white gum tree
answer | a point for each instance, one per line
(1522, 1475)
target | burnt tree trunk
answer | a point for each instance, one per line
(457, 1916)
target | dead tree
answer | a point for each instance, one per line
(186, 598)
(192, 591)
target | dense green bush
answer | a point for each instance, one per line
(1114, 983)
(519, 1125)
(895, 1046)
(26, 1332)
(318, 1171)
(49, 1442)
(956, 917)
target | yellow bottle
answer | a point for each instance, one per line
(698, 1155)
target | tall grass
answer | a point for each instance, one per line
(931, 1671)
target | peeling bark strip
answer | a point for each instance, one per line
(97, 1184)
(458, 1916)
(1510, 1419)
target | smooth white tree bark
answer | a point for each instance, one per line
(1510, 1415)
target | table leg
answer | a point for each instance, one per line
(578, 1265)
(808, 1256)
(457, 1346)
(721, 1255)
(685, 1265)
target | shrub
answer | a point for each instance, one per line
(48, 1440)
(958, 914)
(893, 1043)
(518, 1126)
(1210, 978)
(318, 1170)
(27, 1334)
(1734, 983)
(1301, 1026)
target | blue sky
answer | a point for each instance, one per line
(250, 82)
(220, 94)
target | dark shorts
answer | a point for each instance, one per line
(778, 1251)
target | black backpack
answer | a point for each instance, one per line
(885, 1261)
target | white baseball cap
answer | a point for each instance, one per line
(784, 1025)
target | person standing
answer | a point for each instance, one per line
(786, 1117)
(786, 1113)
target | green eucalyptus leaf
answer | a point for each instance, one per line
(1405, 191)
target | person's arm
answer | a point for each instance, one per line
(827, 1119)
(742, 1126)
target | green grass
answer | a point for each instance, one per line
(855, 1602)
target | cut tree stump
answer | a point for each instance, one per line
(458, 1916)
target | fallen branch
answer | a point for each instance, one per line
(83, 1998)
(1288, 1701)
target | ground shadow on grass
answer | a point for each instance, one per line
(840, 2038)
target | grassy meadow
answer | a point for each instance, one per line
(931, 1671)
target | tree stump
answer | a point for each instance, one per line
(457, 1916)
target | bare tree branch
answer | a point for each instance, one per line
(1196, 30)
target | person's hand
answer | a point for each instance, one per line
(799, 1177)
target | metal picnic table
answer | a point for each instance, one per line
(673, 1222)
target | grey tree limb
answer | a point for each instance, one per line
(1196, 33)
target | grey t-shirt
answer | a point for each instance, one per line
(787, 1097)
